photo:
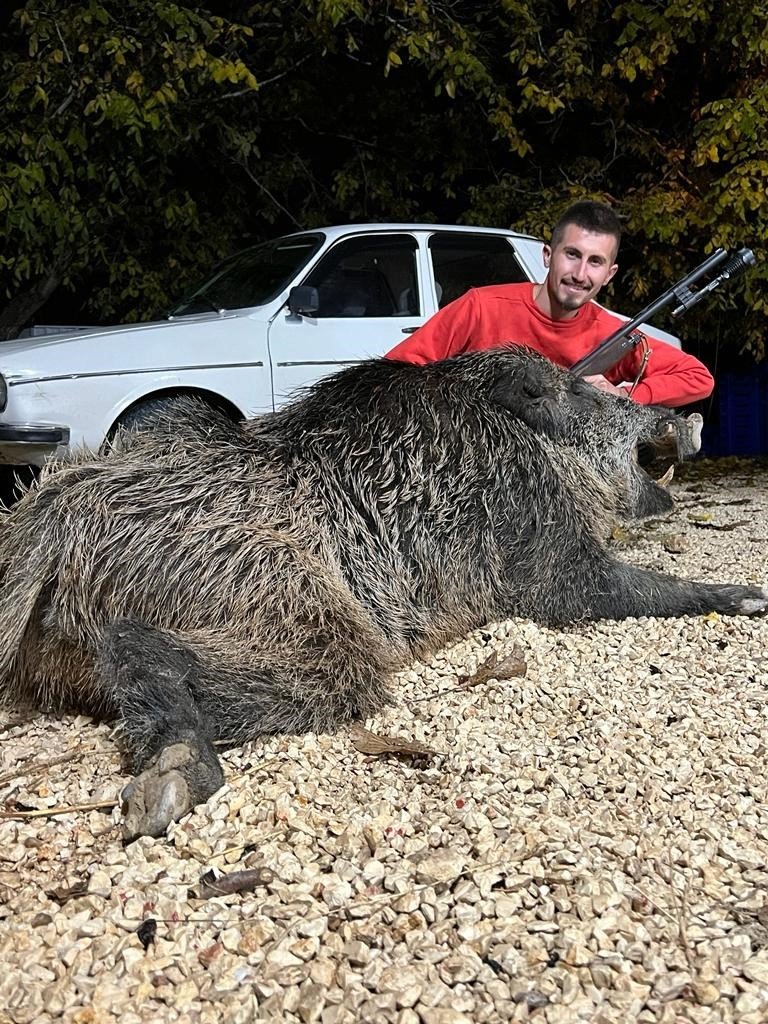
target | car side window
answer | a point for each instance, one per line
(368, 276)
(464, 261)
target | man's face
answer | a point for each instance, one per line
(579, 265)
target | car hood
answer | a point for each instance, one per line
(186, 340)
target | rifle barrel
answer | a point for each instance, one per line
(603, 357)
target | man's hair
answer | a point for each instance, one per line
(589, 216)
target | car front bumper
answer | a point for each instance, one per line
(23, 444)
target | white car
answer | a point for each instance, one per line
(269, 320)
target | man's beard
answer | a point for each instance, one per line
(571, 302)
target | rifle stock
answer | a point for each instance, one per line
(623, 340)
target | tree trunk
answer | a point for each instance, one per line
(18, 312)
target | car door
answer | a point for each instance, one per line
(369, 290)
(461, 260)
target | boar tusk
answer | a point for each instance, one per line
(665, 480)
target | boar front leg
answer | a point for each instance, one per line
(622, 591)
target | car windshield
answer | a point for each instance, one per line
(253, 276)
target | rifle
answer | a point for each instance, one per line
(623, 340)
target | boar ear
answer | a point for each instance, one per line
(514, 391)
(528, 398)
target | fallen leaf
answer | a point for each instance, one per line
(621, 536)
(722, 526)
(674, 543)
(64, 893)
(510, 666)
(728, 501)
(237, 881)
(369, 743)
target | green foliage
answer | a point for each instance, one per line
(103, 105)
(143, 140)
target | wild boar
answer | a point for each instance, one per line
(224, 581)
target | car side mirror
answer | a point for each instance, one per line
(303, 300)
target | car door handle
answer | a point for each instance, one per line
(408, 330)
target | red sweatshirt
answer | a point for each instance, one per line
(490, 317)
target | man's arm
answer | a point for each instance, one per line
(445, 334)
(671, 377)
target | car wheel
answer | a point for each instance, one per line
(175, 415)
(15, 481)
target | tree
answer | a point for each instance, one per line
(146, 140)
(101, 147)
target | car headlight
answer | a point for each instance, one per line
(3, 393)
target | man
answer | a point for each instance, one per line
(560, 319)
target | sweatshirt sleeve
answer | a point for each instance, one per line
(445, 334)
(671, 377)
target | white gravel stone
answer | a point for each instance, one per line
(756, 969)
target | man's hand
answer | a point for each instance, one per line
(598, 381)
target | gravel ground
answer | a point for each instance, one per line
(585, 842)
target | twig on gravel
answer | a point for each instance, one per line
(23, 719)
(679, 902)
(44, 812)
(49, 812)
(261, 766)
(241, 847)
(652, 903)
(35, 767)
(374, 902)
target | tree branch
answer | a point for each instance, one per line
(18, 312)
(266, 81)
(271, 198)
(62, 41)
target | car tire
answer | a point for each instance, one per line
(175, 415)
(15, 481)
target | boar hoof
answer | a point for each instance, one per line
(755, 604)
(177, 779)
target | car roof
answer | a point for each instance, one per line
(334, 230)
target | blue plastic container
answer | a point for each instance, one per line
(740, 426)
